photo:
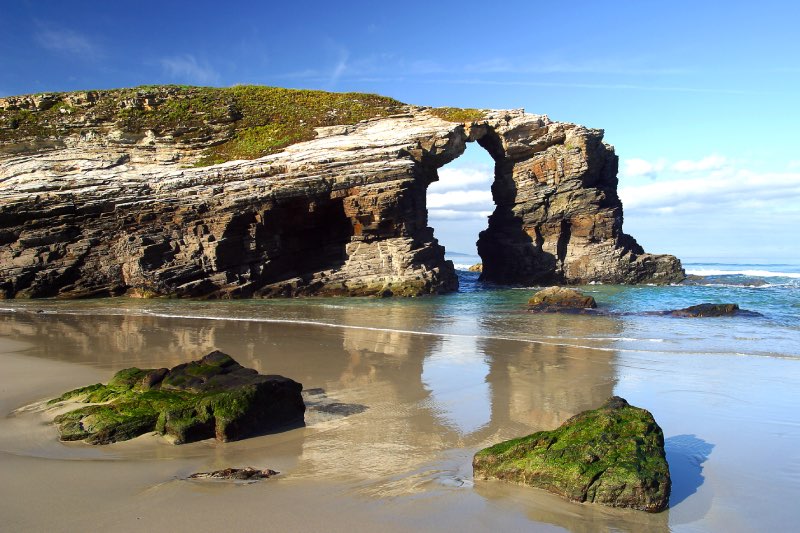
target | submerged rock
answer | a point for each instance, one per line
(560, 300)
(320, 407)
(613, 455)
(711, 310)
(213, 397)
(236, 474)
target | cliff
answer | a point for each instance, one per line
(255, 191)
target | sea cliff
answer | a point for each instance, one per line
(262, 192)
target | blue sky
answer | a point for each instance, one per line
(700, 99)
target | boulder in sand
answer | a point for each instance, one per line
(213, 397)
(613, 455)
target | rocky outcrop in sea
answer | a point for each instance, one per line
(132, 192)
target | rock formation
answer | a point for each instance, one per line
(214, 397)
(613, 455)
(560, 299)
(97, 197)
(248, 474)
(711, 310)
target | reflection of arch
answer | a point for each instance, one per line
(529, 385)
(455, 374)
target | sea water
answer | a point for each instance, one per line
(443, 376)
(481, 310)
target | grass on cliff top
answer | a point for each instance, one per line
(241, 122)
(457, 114)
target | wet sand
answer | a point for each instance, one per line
(731, 425)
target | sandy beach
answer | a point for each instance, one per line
(404, 463)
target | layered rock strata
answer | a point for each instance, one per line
(342, 214)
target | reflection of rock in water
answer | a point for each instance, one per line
(455, 373)
(537, 386)
(114, 341)
(526, 386)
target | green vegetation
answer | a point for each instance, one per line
(457, 114)
(213, 397)
(239, 122)
(612, 455)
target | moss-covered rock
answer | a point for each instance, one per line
(613, 455)
(559, 300)
(212, 397)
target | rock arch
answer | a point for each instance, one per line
(343, 214)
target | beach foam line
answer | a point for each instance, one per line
(751, 273)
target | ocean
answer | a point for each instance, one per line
(442, 377)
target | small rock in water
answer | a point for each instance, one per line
(236, 474)
(613, 455)
(711, 310)
(560, 300)
(478, 267)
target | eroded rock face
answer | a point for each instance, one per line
(343, 214)
(613, 455)
(214, 397)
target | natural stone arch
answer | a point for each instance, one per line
(557, 217)
(112, 223)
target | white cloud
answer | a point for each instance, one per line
(451, 179)
(66, 42)
(717, 191)
(712, 162)
(476, 199)
(187, 68)
(455, 214)
(635, 168)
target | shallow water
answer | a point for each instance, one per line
(442, 377)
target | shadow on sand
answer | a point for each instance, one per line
(686, 455)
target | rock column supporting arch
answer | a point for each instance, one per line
(558, 218)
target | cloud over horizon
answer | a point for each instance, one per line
(462, 193)
(709, 185)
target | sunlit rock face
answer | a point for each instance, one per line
(342, 214)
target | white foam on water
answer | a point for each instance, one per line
(746, 272)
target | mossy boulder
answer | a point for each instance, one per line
(613, 455)
(560, 300)
(213, 397)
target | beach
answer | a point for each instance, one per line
(436, 391)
